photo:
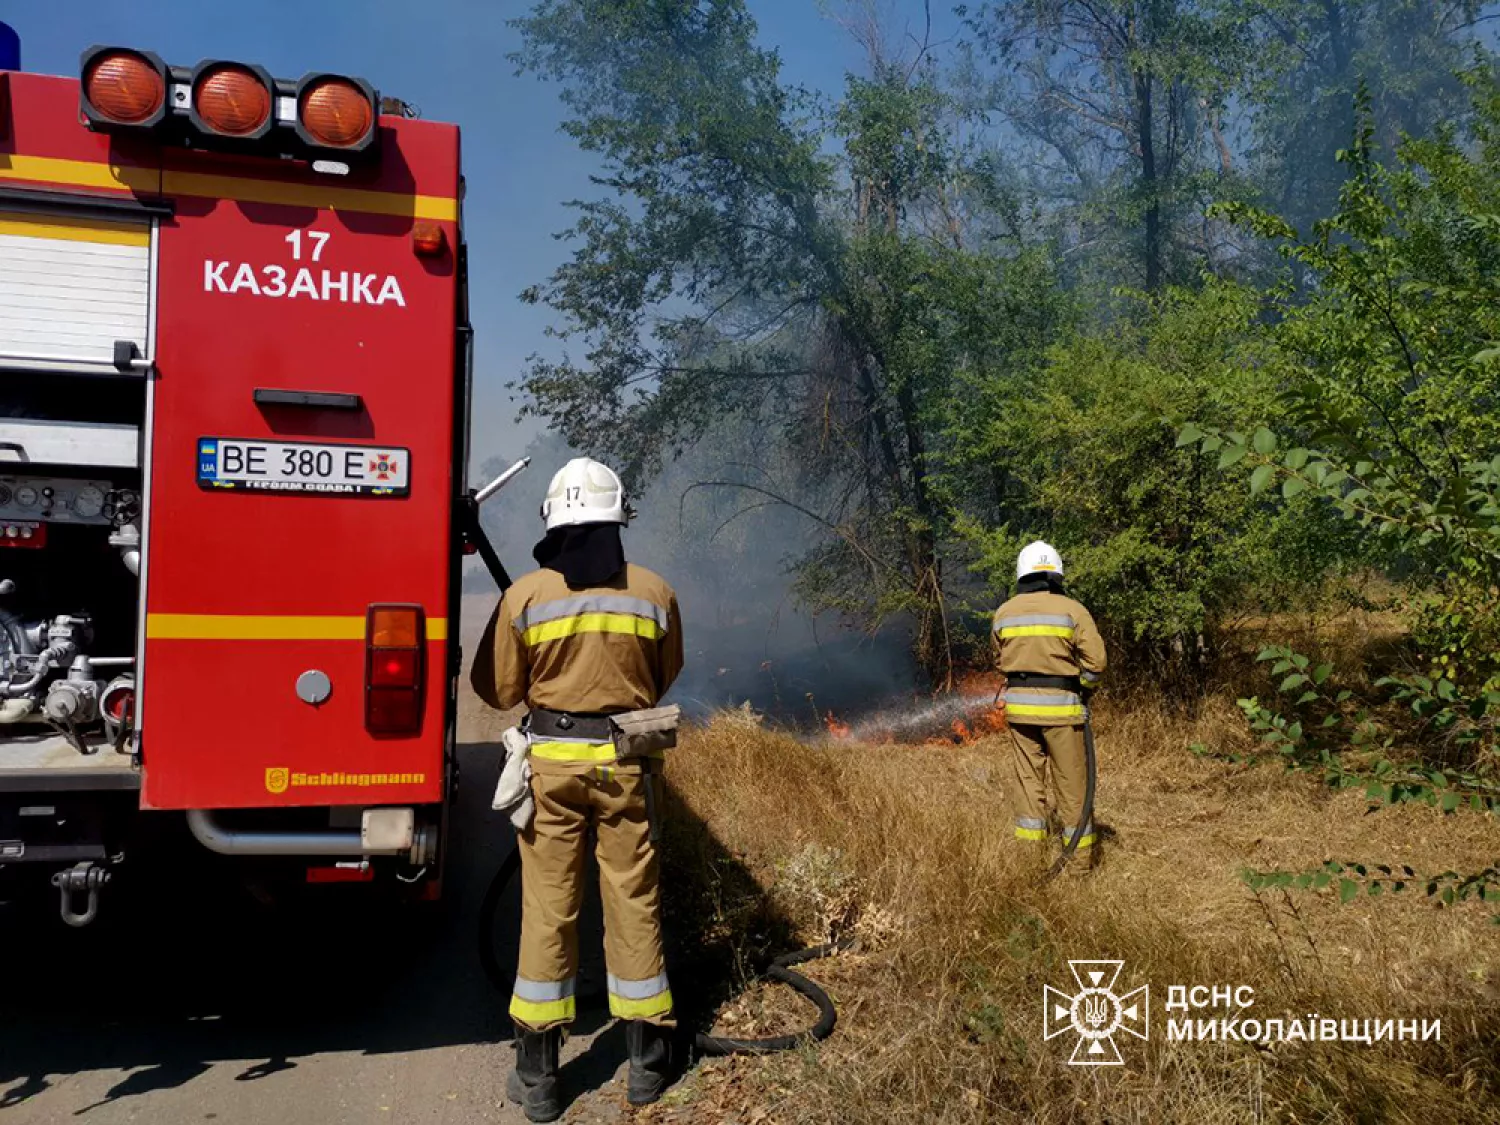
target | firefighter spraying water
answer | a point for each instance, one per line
(1053, 658)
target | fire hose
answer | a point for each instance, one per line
(706, 1046)
(1086, 817)
(489, 909)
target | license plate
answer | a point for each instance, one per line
(291, 466)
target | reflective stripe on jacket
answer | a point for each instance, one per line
(1047, 634)
(601, 650)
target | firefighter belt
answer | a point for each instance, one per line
(643, 734)
(553, 855)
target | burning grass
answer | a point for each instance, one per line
(971, 712)
(908, 848)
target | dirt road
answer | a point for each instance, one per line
(188, 1003)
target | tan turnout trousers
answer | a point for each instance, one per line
(1032, 749)
(596, 651)
(552, 868)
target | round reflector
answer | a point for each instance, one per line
(124, 87)
(232, 100)
(336, 113)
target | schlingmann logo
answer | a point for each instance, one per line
(279, 779)
(1094, 1013)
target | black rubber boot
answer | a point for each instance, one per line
(650, 1062)
(533, 1084)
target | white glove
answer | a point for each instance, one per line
(513, 791)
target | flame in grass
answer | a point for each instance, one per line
(972, 712)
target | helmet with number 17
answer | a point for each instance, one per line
(582, 492)
(1039, 558)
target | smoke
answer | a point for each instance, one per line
(730, 556)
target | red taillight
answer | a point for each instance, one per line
(393, 668)
(124, 87)
(395, 647)
(393, 711)
(232, 100)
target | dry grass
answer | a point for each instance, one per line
(777, 842)
(910, 850)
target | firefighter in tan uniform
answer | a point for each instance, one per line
(1052, 657)
(585, 637)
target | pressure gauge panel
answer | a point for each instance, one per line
(58, 500)
(88, 502)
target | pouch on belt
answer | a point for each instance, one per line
(644, 733)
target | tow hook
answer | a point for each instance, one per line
(78, 879)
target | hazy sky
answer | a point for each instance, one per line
(448, 58)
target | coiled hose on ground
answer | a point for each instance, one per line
(704, 1046)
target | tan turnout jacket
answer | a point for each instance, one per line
(1052, 635)
(600, 650)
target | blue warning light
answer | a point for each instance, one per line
(10, 48)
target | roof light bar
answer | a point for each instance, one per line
(323, 118)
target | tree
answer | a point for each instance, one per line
(731, 272)
(1391, 412)
(1126, 100)
(1310, 64)
(1167, 553)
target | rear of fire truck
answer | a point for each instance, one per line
(233, 425)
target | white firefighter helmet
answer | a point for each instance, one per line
(584, 491)
(1038, 558)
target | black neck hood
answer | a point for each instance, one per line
(585, 555)
(1040, 583)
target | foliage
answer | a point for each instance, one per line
(1352, 746)
(1389, 412)
(1121, 108)
(731, 274)
(1163, 551)
(904, 301)
(1348, 879)
(1311, 62)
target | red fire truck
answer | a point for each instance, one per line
(234, 389)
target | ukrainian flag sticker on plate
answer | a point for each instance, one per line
(251, 465)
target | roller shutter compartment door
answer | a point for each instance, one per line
(71, 285)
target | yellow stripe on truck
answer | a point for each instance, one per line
(80, 173)
(267, 627)
(69, 228)
(324, 198)
(239, 189)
